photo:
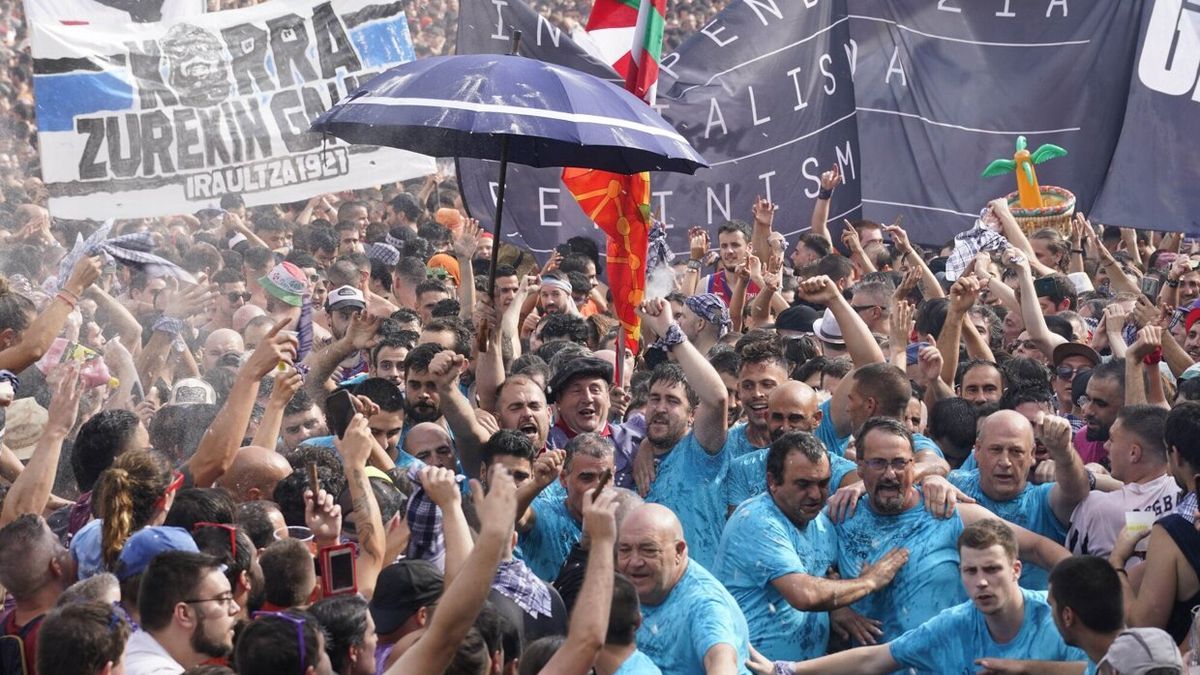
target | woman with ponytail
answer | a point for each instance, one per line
(136, 492)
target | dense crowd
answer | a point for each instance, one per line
(311, 437)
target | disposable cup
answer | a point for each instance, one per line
(1139, 521)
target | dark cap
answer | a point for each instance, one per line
(1069, 349)
(798, 318)
(588, 366)
(402, 589)
(1079, 385)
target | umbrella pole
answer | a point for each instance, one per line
(483, 337)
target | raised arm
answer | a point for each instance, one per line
(1071, 479)
(963, 295)
(1015, 235)
(286, 385)
(466, 243)
(217, 449)
(820, 216)
(442, 488)
(546, 469)
(589, 621)
(929, 283)
(463, 599)
(360, 334)
(31, 490)
(1031, 311)
(760, 237)
(119, 318)
(1120, 282)
(355, 448)
(469, 435)
(41, 332)
(710, 425)
(183, 304)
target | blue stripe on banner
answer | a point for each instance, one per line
(62, 97)
(382, 43)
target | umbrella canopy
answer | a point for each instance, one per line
(463, 106)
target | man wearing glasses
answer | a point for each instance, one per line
(893, 514)
(873, 302)
(1071, 359)
(187, 612)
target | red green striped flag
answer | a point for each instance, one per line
(629, 35)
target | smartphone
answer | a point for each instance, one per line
(338, 570)
(339, 410)
(1149, 285)
(563, 249)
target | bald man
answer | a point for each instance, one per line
(690, 623)
(219, 343)
(254, 473)
(792, 406)
(429, 442)
(1004, 453)
(242, 316)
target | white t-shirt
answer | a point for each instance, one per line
(145, 656)
(1098, 519)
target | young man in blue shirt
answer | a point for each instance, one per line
(1000, 621)
(690, 623)
(686, 430)
(779, 550)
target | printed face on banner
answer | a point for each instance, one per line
(153, 119)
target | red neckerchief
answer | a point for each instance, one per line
(606, 432)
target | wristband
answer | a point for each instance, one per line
(11, 378)
(824, 194)
(696, 265)
(1077, 251)
(63, 296)
(1172, 283)
(1091, 481)
(673, 337)
(1153, 358)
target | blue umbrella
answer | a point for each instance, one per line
(481, 104)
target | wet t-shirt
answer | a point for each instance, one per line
(691, 483)
(748, 475)
(925, 585)
(760, 545)
(545, 546)
(697, 615)
(950, 642)
(1030, 509)
(737, 444)
(637, 664)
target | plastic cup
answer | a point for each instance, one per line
(298, 532)
(1139, 521)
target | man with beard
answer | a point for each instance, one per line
(422, 397)
(892, 513)
(233, 547)
(552, 523)
(188, 614)
(429, 443)
(1070, 359)
(686, 431)
(1004, 453)
(792, 406)
(1000, 621)
(980, 382)
(554, 295)
(778, 549)
(580, 392)
(1104, 398)
(520, 406)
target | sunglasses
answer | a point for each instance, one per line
(296, 621)
(232, 537)
(176, 483)
(1068, 373)
(234, 296)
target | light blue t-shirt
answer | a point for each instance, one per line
(545, 546)
(737, 444)
(691, 483)
(697, 615)
(928, 583)
(637, 664)
(85, 548)
(1030, 509)
(836, 445)
(403, 459)
(760, 545)
(748, 475)
(951, 641)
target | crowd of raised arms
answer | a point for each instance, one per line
(340, 451)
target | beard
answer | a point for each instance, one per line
(667, 439)
(890, 504)
(1096, 434)
(420, 413)
(203, 644)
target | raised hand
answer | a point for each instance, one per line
(832, 178)
(900, 325)
(466, 240)
(548, 467)
(363, 331)
(850, 238)
(764, 211)
(818, 289)
(188, 302)
(273, 348)
(1053, 431)
(899, 238)
(964, 294)
(85, 273)
(64, 402)
(929, 363)
(445, 367)
(1148, 340)
(323, 515)
(599, 515)
(441, 485)
(498, 509)
(656, 315)
(697, 243)
(355, 447)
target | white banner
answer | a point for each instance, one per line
(101, 12)
(162, 118)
